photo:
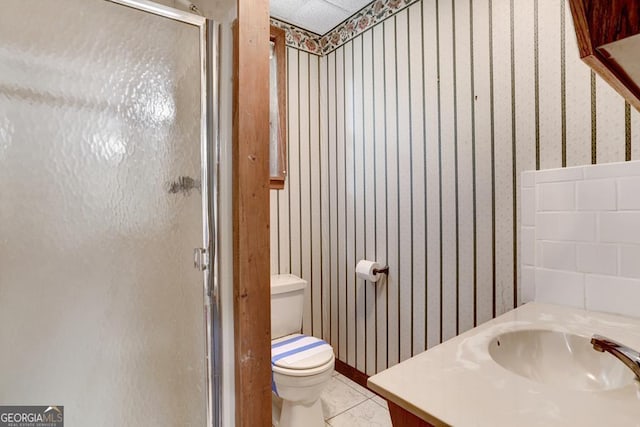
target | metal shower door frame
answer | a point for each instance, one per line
(209, 152)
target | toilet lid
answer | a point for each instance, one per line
(300, 352)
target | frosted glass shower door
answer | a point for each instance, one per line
(101, 206)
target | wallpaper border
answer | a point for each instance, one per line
(299, 38)
(370, 15)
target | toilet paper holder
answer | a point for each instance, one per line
(383, 270)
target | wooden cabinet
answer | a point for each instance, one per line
(608, 34)
(400, 417)
(277, 109)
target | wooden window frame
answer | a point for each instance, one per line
(277, 36)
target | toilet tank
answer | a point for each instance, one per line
(287, 302)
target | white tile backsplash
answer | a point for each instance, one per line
(597, 258)
(596, 195)
(620, 227)
(528, 284)
(528, 196)
(560, 287)
(629, 194)
(568, 226)
(612, 170)
(559, 255)
(613, 295)
(630, 261)
(559, 175)
(528, 245)
(580, 237)
(557, 196)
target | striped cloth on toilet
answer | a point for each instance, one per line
(288, 353)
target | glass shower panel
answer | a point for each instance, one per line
(101, 309)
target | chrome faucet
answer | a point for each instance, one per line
(626, 355)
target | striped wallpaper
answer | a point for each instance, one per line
(405, 146)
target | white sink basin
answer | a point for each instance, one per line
(559, 359)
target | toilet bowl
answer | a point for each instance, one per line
(301, 365)
(299, 379)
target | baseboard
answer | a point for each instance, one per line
(353, 374)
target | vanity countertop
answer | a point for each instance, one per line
(458, 383)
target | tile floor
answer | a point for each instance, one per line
(346, 403)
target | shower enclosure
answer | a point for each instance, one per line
(107, 203)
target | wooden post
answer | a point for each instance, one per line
(252, 314)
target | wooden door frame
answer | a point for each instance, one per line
(251, 258)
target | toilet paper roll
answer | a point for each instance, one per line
(365, 270)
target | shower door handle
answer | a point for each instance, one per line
(200, 259)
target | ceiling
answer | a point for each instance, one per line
(318, 16)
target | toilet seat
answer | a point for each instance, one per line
(304, 372)
(298, 354)
(301, 368)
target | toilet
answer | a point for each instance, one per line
(301, 365)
